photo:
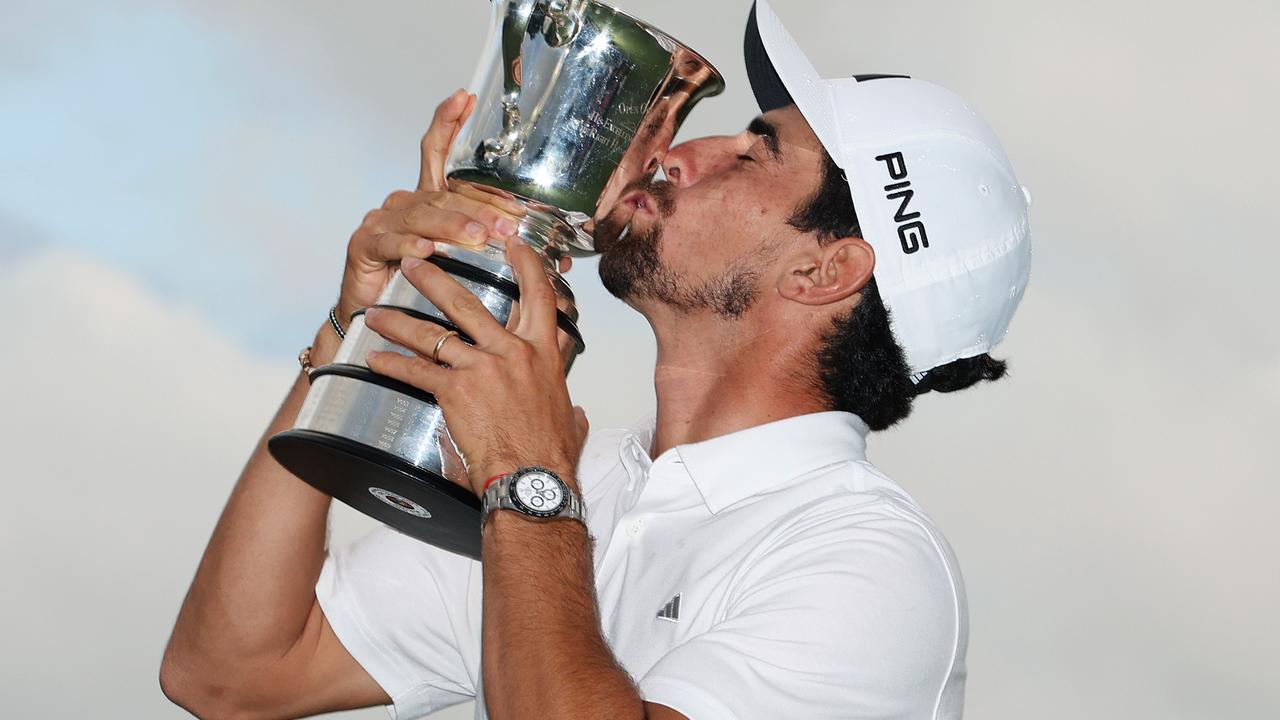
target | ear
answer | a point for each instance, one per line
(828, 274)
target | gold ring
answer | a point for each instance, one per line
(435, 354)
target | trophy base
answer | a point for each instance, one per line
(414, 501)
(380, 445)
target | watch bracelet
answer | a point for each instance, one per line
(497, 496)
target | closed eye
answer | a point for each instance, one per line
(768, 133)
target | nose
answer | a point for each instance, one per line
(678, 160)
(687, 162)
(652, 166)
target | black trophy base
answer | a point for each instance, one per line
(414, 501)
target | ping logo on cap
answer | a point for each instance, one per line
(911, 232)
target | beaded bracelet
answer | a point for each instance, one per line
(304, 360)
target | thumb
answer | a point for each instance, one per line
(445, 124)
(580, 419)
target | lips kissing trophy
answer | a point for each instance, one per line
(577, 101)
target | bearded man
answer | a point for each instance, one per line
(862, 242)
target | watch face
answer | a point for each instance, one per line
(538, 493)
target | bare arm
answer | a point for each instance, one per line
(250, 639)
(540, 618)
(543, 654)
(250, 627)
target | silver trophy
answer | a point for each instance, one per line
(577, 102)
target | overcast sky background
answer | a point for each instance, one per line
(178, 181)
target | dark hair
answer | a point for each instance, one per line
(861, 367)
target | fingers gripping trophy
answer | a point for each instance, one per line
(576, 102)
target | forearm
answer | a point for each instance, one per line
(255, 586)
(543, 652)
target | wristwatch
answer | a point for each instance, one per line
(535, 492)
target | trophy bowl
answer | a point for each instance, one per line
(577, 101)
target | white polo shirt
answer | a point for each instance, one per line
(769, 573)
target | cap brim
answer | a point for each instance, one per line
(796, 77)
(768, 88)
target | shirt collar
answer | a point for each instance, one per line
(634, 451)
(749, 462)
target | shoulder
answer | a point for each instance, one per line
(849, 497)
(866, 583)
(865, 534)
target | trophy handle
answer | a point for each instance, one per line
(565, 21)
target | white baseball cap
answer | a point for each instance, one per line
(935, 194)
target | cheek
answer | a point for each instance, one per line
(713, 232)
(722, 208)
(725, 217)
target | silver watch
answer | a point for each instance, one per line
(535, 492)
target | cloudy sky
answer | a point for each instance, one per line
(178, 181)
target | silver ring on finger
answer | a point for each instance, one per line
(435, 354)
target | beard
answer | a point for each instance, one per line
(632, 269)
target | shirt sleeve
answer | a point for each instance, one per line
(845, 618)
(402, 609)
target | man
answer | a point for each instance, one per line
(747, 560)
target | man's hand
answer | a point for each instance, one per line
(504, 398)
(409, 222)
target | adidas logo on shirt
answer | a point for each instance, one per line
(671, 611)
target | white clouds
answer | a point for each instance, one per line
(1111, 507)
(125, 423)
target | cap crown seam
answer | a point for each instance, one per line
(957, 263)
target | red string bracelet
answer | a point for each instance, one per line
(491, 481)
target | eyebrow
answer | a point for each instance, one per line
(769, 133)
